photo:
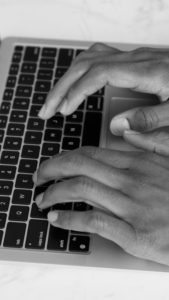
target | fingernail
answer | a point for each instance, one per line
(35, 177)
(118, 125)
(42, 112)
(63, 107)
(52, 216)
(39, 199)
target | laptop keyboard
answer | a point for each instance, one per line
(26, 141)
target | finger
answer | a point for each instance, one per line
(90, 191)
(141, 119)
(100, 47)
(156, 142)
(96, 222)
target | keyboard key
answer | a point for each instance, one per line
(49, 52)
(58, 239)
(33, 137)
(18, 116)
(38, 190)
(53, 135)
(19, 48)
(43, 158)
(65, 57)
(92, 128)
(76, 117)
(31, 54)
(55, 122)
(6, 187)
(45, 74)
(28, 68)
(5, 107)
(81, 106)
(26, 79)
(1, 135)
(21, 103)
(38, 213)
(50, 149)
(22, 197)
(99, 92)
(42, 86)
(60, 72)
(27, 166)
(3, 121)
(30, 151)
(1, 235)
(35, 124)
(7, 172)
(81, 206)
(36, 236)
(23, 91)
(9, 157)
(2, 220)
(24, 181)
(18, 213)
(95, 103)
(4, 203)
(79, 243)
(34, 110)
(15, 129)
(62, 206)
(73, 129)
(39, 98)
(16, 58)
(14, 69)
(12, 143)
(11, 81)
(8, 94)
(47, 63)
(70, 143)
(14, 236)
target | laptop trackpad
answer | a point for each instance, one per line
(119, 105)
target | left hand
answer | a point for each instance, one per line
(129, 192)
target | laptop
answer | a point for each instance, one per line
(29, 68)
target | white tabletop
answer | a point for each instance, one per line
(138, 21)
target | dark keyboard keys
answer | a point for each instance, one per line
(11, 82)
(70, 143)
(23, 91)
(31, 54)
(8, 94)
(55, 122)
(99, 92)
(19, 48)
(24, 181)
(95, 103)
(21, 103)
(28, 68)
(4, 203)
(45, 74)
(9, 157)
(15, 129)
(30, 151)
(79, 243)
(35, 124)
(76, 117)
(14, 236)
(60, 72)
(42, 86)
(92, 128)
(47, 63)
(33, 137)
(12, 143)
(34, 110)
(1, 235)
(58, 239)
(3, 121)
(39, 213)
(5, 107)
(2, 220)
(50, 149)
(7, 172)
(36, 235)
(27, 166)
(1, 135)
(26, 79)
(53, 135)
(81, 206)
(18, 116)
(65, 57)
(72, 129)
(16, 58)
(6, 187)
(14, 69)
(49, 52)
(39, 98)
(22, 197)
(18, 213)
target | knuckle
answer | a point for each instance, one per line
(97, 222)
(73, 159)
(144, 119)
(89, 150)
(82, 186)
(97, 47)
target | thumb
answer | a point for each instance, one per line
(141, 119)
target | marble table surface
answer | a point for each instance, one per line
(136, 21)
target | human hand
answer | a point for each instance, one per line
(129, 192)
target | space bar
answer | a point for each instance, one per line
(92, 129)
